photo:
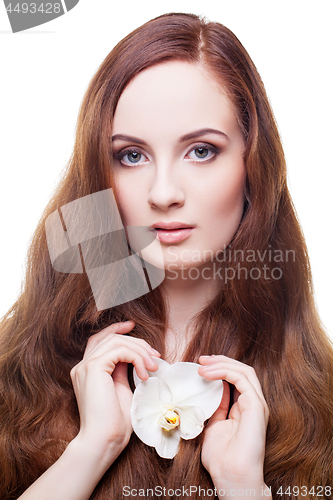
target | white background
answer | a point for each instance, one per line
(45, 71)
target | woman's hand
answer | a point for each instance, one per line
(234, 448)
(104, 398)
(102, 390)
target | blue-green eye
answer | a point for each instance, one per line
(202, 153)
(131, 157)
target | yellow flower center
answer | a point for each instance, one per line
(169, 419)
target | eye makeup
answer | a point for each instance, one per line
(202, 158)
(128, 152)
(205, 153)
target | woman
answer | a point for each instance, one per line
(176, 121)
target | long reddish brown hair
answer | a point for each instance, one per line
(270, 324)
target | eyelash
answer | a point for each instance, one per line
(119, 156)
(213, 149)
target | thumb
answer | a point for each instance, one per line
(119, 374)
(122, 387)
(222, 411)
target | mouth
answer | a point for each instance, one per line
(172, 232)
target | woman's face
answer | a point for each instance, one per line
(178, 163)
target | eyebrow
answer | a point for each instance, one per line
(203, 131)
(183, 138)
(130, 138)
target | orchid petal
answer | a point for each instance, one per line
(191, 421)
(173, 391)
(190, 389)
(167, 443)
(162, 367)
(147, 405)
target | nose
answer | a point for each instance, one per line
(166, 192)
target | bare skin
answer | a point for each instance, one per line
(199, 181)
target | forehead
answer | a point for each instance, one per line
(171, 99)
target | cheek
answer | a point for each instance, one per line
(227, 203)
(128, 198)
(232, 200)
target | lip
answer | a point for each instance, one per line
(172, 232)
(170, 225)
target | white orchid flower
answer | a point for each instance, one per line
(172, 404)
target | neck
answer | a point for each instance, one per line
(185, 297)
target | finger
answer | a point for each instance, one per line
(111, 336)
(119, 328)
(120, 374)
(236, 395)
(238, 379)
(233, 364)
(114, 342)
(122, 387)
(222, 411)
(247, 396)
(134, 340)
(108, 360)
(141, 360)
